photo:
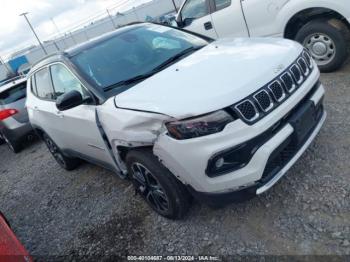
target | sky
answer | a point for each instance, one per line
(15, 33)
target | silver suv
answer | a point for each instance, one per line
(14, 121)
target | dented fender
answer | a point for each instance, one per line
(130, 128)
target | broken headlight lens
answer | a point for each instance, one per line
(200, 126)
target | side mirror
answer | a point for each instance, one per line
(69, 100)
(179, 21)
(187, 21)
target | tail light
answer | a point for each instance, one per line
(7, 113)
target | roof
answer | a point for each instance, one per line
(12, 84)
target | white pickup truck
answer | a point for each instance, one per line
(322, 26)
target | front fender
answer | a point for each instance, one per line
(291, 8)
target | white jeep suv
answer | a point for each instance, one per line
(179, 114)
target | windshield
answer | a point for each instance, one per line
(134, 55)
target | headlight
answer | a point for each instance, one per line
(201, 126)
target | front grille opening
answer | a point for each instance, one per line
(247, 110)
(287, 150)
(296, 73)
(307, 58)
(279, 158)
(303, 66)
(264, 100)
(288, 82)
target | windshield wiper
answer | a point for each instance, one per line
(176, 57)
(154, 70)
(129, 81)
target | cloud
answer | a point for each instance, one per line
(15, 33)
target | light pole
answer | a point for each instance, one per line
(110, 17)
(37, 38)
(9, 71)
(174, 5)
(59, 32)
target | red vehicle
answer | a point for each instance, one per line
(10, 247)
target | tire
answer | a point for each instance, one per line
(162, 191)
(326, 40)
(14, 146)
(65, 162)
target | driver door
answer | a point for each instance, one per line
(195, 16)
(77, 126)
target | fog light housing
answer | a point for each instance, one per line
(229, 160)
(220, 162)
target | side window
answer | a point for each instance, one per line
(64, 81)
(221, 4)
(194, 9)
(43, 87)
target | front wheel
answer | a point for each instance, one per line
(157, 185)
(326, 41)
(64, 161)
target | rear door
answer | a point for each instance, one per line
(228, 18)
(195, 16)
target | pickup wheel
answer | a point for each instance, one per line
(64, 161)
(157, 185)
(326, 41)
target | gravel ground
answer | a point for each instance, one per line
(91, 212)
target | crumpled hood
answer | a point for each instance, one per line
(212, 78)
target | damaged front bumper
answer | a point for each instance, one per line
(188, 160)
(278, 165)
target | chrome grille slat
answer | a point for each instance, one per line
(264, 100)
(277, 90)
(288, 82)
(296, 73)
(304, 68)
(248, 110)
(308, 60)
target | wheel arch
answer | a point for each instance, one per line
(124, 150)
(39, 131)
(304, 16)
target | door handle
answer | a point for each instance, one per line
(59, 114)
(208, 25)
(36, 108)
